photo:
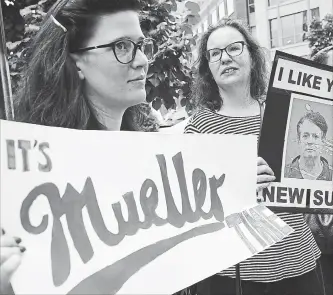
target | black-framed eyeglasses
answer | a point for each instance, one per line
(125, 49)
(233, 49)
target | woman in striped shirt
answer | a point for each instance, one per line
(230, 81)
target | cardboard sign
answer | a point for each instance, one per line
(297, 135)
(127, 212)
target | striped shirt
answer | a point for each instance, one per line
(294, 255)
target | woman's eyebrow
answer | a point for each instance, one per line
(128, 38)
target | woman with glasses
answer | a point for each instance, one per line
(228, 90)
(86, 69)
(87, 65)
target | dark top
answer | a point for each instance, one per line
(292, 170)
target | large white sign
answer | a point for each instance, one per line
(129, 213)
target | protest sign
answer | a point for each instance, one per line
(297, 135)
(128, 212)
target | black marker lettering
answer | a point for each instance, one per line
(329, 202)
(269, 193)
(329, 85)
(296, 193)
(318, 195)
(299, 78)
(281, 192)
(317, 82)
(290, 80)
(280, 74)
(307, 80)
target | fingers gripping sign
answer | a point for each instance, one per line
(265, 174)
(10, 259)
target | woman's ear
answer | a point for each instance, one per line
(78, 61)
(80, 73)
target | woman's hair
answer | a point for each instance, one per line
(50, 92)
(205, 91)
(322, 55)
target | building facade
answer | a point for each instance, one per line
(277, 24)
(214, 10)
(283, 24)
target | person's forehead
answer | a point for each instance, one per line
(111, 27)
(309, 126)
(222, 37)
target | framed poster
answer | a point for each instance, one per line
(297, 135)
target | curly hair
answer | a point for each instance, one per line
(317, 119)
(51, 92)
(205, 91)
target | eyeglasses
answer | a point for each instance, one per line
(233, 49)
(125, 49)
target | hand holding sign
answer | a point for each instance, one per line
(10, 259)
(265, 174)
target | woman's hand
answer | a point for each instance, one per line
(10, 259)
(265, 174)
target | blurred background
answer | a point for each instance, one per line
(299, 27)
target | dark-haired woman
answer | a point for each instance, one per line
(228, 90)
(86, 69)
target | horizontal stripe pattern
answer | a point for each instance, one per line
(294, 255)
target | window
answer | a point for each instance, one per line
(251, 6)
(221, 10)
(274, 32)
(214, 17)
(315, 13)
(230, 6)
(275, 2)
(293, 28)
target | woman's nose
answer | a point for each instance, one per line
(140, 59)
(225, 58)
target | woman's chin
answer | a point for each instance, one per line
(138, 97)
(231, 80)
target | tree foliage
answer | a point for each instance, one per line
(169, 74)
(321, 33)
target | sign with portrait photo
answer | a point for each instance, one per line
(129, 212)
(297, 135)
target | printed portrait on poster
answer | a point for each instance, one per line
(309, 137)
(296, 138)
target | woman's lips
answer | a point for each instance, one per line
(229, 71)
(140, 78)
(138, 82)
(310, 149)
